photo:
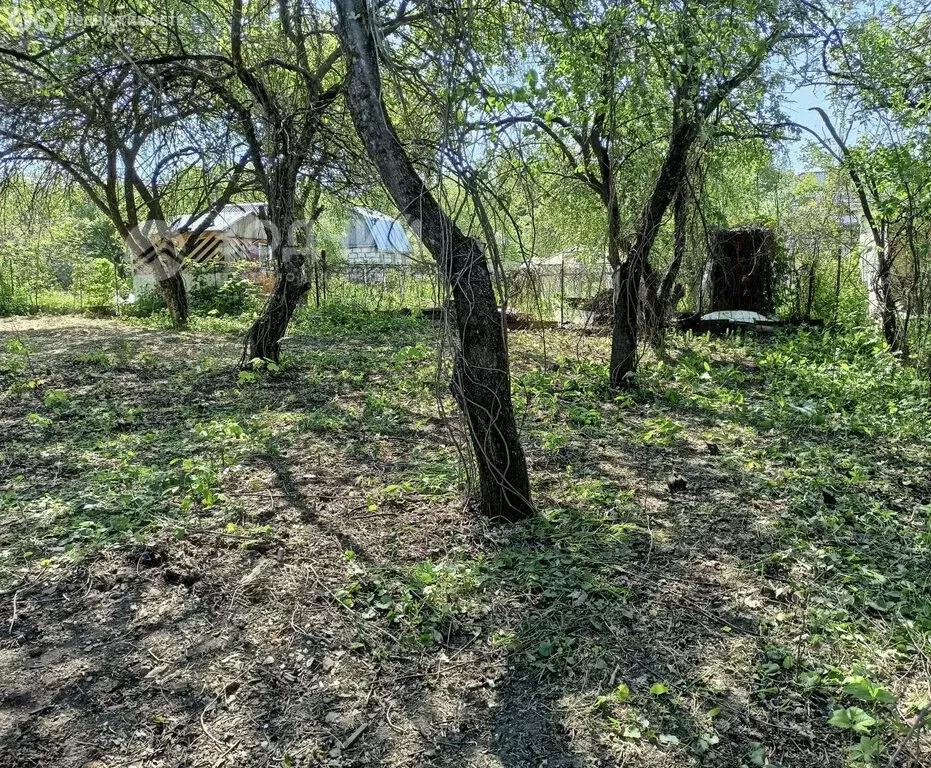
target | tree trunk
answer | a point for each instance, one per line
(481, 380)
(810, 295)
(624, 331)
(173, 291)
(885, 296)
(663, 295)
(624, 337)
(264, 338)
(156, 255)
(880, 283)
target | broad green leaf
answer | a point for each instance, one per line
(853, 719)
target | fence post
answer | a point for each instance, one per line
(323, 271)
(116, 290)
(562, 288)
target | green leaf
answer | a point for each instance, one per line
(863, 689)
(757, 753)
(705, 742)
(619, 694)
(867, 750)
(853, 719)
(658, 689)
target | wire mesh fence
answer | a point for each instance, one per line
(562, 292)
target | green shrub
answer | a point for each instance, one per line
(210, 293)
(97, 284)
(12, 300)
(148, 302)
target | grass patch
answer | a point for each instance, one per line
(733, 551)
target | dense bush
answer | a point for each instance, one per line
(12, 299)
(97, 284)
(230, 292)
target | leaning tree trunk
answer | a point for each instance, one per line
(881, 282)
(481, 379)
(670, 292)
(263, 340)
(157, 256)
(663, 295)
(625, 333)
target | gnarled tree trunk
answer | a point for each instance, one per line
(481, 378)
(885, 295)
(625, 334)
(662, 295)
(174, 292)
(291, 284)
(153, 253)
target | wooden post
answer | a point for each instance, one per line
(562, 288)
(323, 271)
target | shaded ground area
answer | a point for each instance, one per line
(205, 567)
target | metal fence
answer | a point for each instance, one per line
(554, 292)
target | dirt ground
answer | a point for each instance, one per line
(237, 632)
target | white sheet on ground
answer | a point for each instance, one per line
(737, 316)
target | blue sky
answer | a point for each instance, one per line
(796, 104)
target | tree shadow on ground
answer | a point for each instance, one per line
(447, 641)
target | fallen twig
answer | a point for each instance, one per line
(914, 729)
(219, 761)
(13, 618)
(203, 725)
(355, 735)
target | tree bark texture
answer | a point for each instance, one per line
(157, 255)
(885, 295)
(481, 378)
(663, 293)
(263, 340)
(174, 292)
(625, 333)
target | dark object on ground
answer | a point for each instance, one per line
(728, 321)
(434, 314)
(187, 578)
(516, 321)
(830, 500)
(677, 483)
(740, 269)
(713, 449)
(600, 306)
